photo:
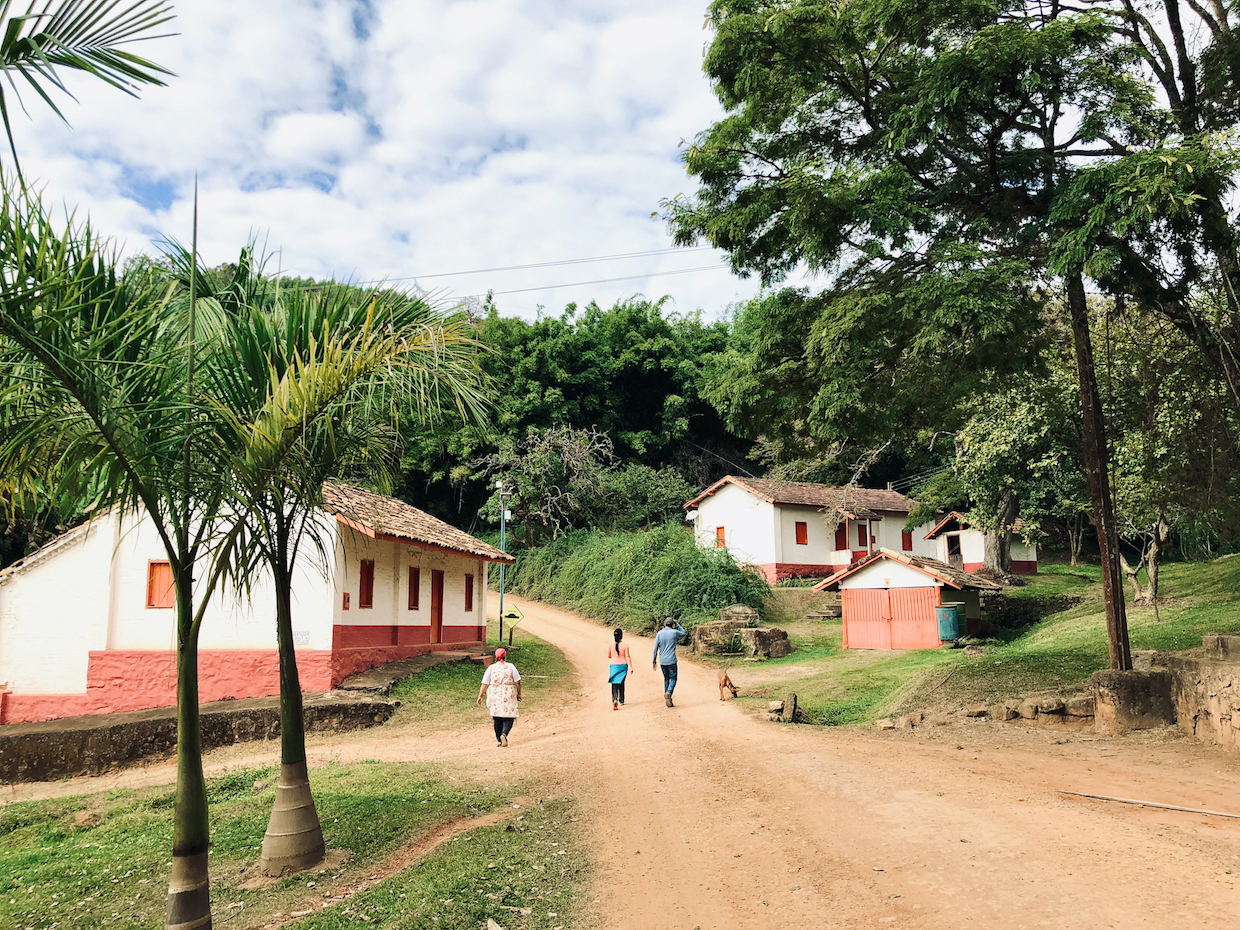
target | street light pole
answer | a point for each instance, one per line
(503, 520)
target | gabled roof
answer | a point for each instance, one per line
(387, 518)
(955, 521)
(855, 503)
(952, 577)
(52, 546)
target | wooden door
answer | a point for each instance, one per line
(436, 606)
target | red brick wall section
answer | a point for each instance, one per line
(125, 680)
(776, 571)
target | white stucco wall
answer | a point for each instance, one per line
(972, 546)
(888, 573)
(1023, 551)
(749, 524)
(391, 592)
(54, 611)
(819, 531)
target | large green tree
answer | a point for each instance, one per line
(948, 163)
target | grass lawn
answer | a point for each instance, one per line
(101, 860)
(1060, 652)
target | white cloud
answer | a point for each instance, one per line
(381, 139)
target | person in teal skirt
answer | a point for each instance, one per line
(618, 654)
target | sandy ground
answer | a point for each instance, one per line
(701, 816)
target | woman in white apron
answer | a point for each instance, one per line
(501, 686)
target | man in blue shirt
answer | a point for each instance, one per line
(665, 655)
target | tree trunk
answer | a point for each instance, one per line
(189, 886)
(997, 558)
(1139, 595)
(294, 837)
(1076, 538)
(1161, 537)
(1094, 435)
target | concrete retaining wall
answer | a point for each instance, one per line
(93, 745)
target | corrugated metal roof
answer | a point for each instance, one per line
(385, 516)
(945, 573)
(857, 503)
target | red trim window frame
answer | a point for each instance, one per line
(863, 536)
(906, 540)
(161, 593)
(415, 587)
(802, 533)
(366, 585)
(469, 593)
(720, 538)
(841, 536)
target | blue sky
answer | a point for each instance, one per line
(388, 139)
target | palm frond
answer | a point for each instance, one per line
(80, 35)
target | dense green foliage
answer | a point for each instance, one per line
(589, 409)
(635, 579)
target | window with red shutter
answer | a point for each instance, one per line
(366, 585)
(841, 536)
(469, 593)
(802, 533)
(415, 587)
(906, 541)
(863, 537)
(160, 592)
(719, 538)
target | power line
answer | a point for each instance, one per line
(632, 277)
(567, 261)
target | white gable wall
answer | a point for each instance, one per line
(819, 531)
(888, 573)
(749, 524)
(55, 611)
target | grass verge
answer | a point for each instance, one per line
(443, 698)
(1058, 653)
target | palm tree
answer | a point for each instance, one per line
(118, 373)
(305, 325)
(78, 35)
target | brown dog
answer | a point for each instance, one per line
(725, 683)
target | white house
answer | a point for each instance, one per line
(789, 529)
(963, 546)
(87, 622)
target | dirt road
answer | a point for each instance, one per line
(701, 816)
(705, 817)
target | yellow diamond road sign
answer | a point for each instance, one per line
(512, 616)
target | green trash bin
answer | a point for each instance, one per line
(949, 622)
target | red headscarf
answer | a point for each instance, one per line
(501, 654)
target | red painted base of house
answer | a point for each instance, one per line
(777, 571)
(124, 680)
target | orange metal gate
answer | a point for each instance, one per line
(890, 618)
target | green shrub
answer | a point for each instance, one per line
(635, 579)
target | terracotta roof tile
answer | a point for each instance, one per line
(386, 516)
(858, 502)
(933, 567)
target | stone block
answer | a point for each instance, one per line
(908, 721)
(1027, 710)
(1053, 705)
(1221, 648)
(775, 707)
(771, 642)
(1133, 700)
(886, 724)
(716, 636)
(738, 613)
(977, 710)
(1004, 711)
(1080, 705)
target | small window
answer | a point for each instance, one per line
(863, 537)
(415, 586)
(802, 533)
(719, 538)
(160, 591)
(366, 585)
(906, 540)
(469, 593)
(841, 536)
